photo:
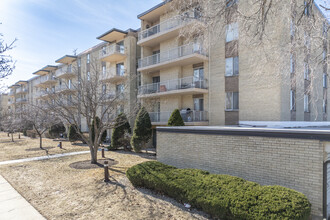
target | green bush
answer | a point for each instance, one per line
(73, 134)
(175, 119)
(118, 133)
(142, 130)
(222, 196)
(104, 135)
(56, 130)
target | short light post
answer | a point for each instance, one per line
(19, 135)
(103, 156)
(106, 172)
(60, 144)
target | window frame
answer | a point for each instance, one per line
(306, 103)
(232, 32)
(234, 66)
(232, 101)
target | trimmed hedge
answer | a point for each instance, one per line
(222, 196)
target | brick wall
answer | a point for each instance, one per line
(291, 162)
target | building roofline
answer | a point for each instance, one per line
(110, 31)
(153, 8)
(70, 56)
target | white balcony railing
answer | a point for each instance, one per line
(46, 78)
(64, 70)
(112, 49)
(21, 90)
(187, 116)
(111, 74)
(172, 54)
(20, 100)
(168, 24)
(171, 85)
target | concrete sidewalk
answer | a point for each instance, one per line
(14, 206)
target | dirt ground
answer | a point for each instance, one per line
(59, 191)
(27, 147)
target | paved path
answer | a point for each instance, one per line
(42, 158)
(14, 206)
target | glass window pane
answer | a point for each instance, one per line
(236, 66)
(235, 100)
(229, 100)
(229, 66)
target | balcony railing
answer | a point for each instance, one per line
(20, 100)
(112, 49)
(171, 85)
(187, 116)
(11, 93)
(46, 78)
(172, 54)
(168, 25)
(21, 90)
(64, 71)
(112, 74)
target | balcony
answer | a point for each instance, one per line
(190, 117)
(65, 89)
(21, 91)
(113, 53)
(183, 86)
(179, 56)
(110, 77)
(165, 30)
(114, 97)
(65, 73)
(21, 100)
(12, 93)
(46, 81)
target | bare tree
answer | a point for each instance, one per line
(40, 118)
(7, 64)
(10, 123)
(85, 101)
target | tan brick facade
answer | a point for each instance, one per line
(293, 163)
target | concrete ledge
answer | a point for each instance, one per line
(257, 132)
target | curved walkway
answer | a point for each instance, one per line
(42, 157)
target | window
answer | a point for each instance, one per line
(104, 89)
(69, 83)
(88, 58)
(292, 28)
(199, 104)
(232, 66)
(104, 50)
(324, 106)
(88, 76)
(307, 8)
(199, 74)
(120, 109)
(306, 103)
(104, 68)
(306, 71)
(230, 2)
(231, 32)
(79, 62)
(120, 68)
(120, 89)
(69, 68)
(292, 64)
(232, 101)
(324, 53)
(325, 80)
(292, 100)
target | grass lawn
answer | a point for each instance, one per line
(27, 147)
(58, 191)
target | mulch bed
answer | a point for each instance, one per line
(86, 164)
(38, 148)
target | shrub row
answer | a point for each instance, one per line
(222, 196)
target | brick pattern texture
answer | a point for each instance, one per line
(293, 163)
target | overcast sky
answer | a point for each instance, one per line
(49, 29)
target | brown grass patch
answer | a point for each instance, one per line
(61, 192)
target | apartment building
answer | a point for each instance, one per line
(231, 81)
(114, 60)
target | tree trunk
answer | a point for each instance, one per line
(40, 137)
(93, 155)
(12, 137)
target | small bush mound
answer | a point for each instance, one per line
(175, 119)
(120, 133)
(222, 196)
(142, 131)
(73, 134)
